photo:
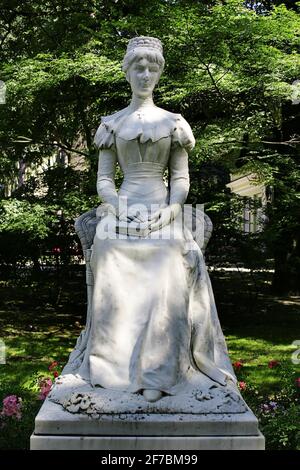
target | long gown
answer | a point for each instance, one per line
(154, 322)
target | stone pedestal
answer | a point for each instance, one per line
(57, 429)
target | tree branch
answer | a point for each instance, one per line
(290, 142)
(65, 147)
(51, 144)
(8, 28)
(4, 37)
(206, 66)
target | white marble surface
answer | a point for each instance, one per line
(57, 429)
(196, 396)
(147, 443)
(53, 419)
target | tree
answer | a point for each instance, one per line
(230, 71)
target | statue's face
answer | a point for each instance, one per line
(143, 75)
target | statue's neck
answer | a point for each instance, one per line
(138, 103)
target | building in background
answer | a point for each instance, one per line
(256, 198)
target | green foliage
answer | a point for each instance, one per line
(23, 228)
(25, 218)
(41, 215)
(279, 411)
(282, 430)
(230, 69)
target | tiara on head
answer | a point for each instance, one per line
(145, 41)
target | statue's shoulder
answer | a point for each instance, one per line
(112, 118)
(173, 117)
(182, 133)
(104, 137)
(168, 115)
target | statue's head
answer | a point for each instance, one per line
(143, 64)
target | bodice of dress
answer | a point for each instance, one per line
(145, 135)
(144, 143)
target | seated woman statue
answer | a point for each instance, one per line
(154, 325)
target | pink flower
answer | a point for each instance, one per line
(53, 365)
(273, 364)
(12, 406)
(242, 385)
(56, 250)
(297, 381)
(45, 387)
(238, 365)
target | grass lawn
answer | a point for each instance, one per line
(40, 320)
(259, 327)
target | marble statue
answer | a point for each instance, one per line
(152, 330)
(150, 370)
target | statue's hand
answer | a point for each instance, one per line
(120, 213)
(130, 215)
(164, 216)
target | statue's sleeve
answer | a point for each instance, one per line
(104, 137)
(182, 141)
(182, 135)
(105, 141)
(106, 177)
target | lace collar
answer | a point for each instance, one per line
(149, 123)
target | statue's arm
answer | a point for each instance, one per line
(179, 189)
(179, 176)
(106, 177)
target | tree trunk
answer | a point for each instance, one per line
(286, 279)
